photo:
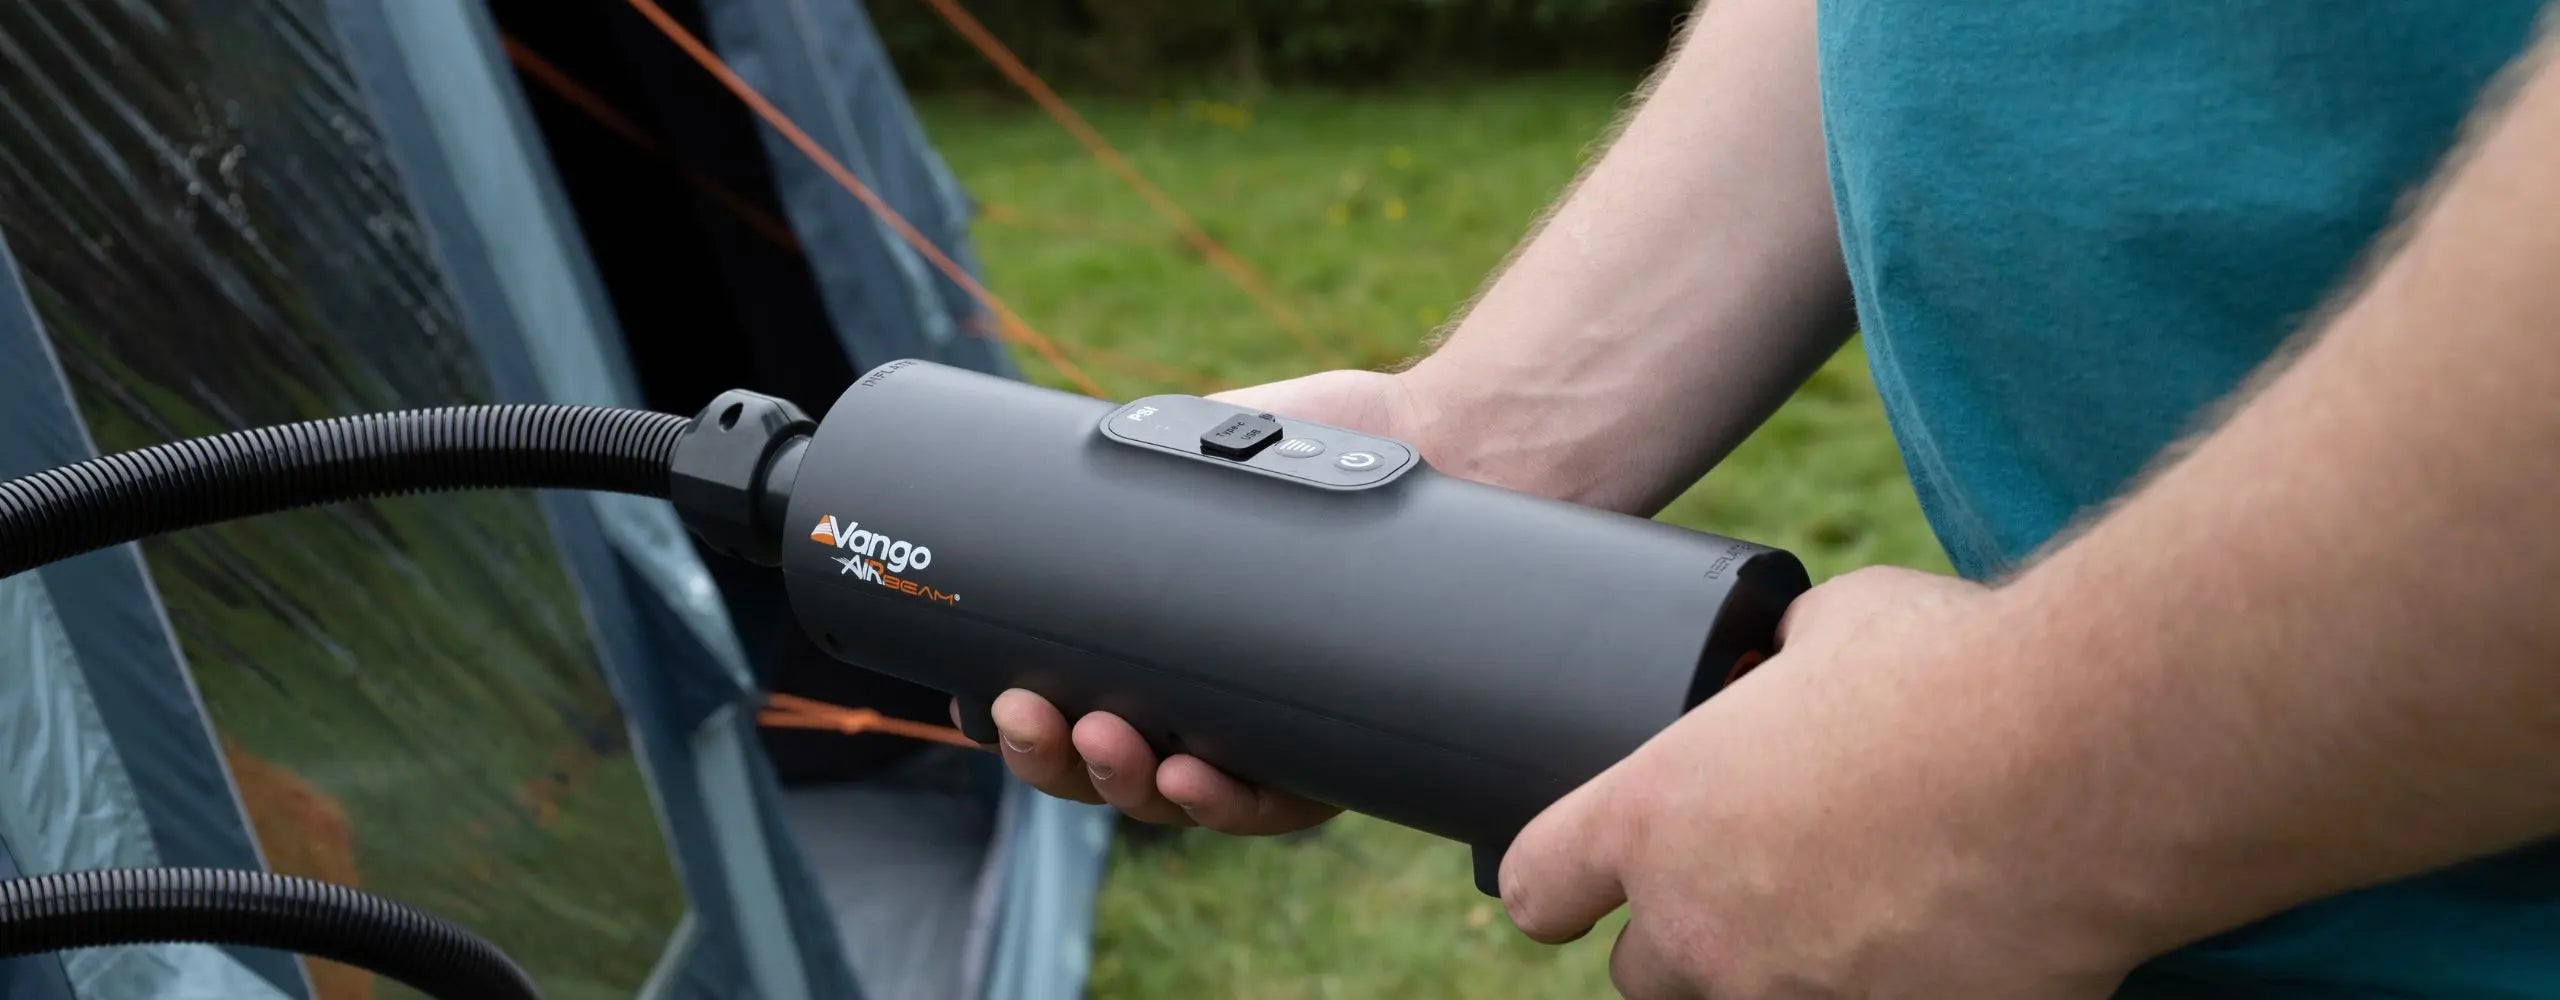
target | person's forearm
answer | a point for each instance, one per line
(1687, 285)
(2322, 650)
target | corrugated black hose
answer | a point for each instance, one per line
(151, 491)
(215, 906)
(138, 494)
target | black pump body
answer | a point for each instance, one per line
(1303, 606)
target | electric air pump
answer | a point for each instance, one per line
(1306, 607)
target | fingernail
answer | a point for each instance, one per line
(1100, 772)
(1016, 744)
(1184, 806)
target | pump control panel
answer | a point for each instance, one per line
(1257, 441)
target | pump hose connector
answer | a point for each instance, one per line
(128, 906)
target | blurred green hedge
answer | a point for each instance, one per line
(1140, 46)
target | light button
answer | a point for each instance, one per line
(1298, 448)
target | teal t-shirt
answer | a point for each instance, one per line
(2074, 225)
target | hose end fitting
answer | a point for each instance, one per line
(723, 469)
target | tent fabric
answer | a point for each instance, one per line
(919, 835)
(1044, 888)
(821, 63)
(408, 690)
(443, 78)
(67, 805)
(853, 65)
(125, 744)
(67, 801)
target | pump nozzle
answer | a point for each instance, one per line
(731, 473)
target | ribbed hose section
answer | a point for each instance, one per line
(138, 494)
(129, 906)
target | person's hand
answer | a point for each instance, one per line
(1845, 820)
(1100, 758)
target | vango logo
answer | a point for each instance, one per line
(874, 557)
(901, 556)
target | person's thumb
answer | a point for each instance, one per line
(1363, 401)
(1271, 395)
(1562, 873)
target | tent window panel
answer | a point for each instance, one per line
(406, 690)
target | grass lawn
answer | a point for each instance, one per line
(1373, 217)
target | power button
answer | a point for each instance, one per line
(1357, 461)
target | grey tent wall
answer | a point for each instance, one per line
(476, 171)
(1042, 891)
(67, 804)
(136, 681)
(821, 63)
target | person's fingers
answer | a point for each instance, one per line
(1036, 746)
(1642, 967)
(1101, 759)
(1561, 874)
(1120, 765)
(1220, 802)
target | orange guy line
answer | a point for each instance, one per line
(787, 712)
(1013, 325)
(603, 113)
(796, 703)
(1199, 382)
(860, 722)
(1243, 274)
